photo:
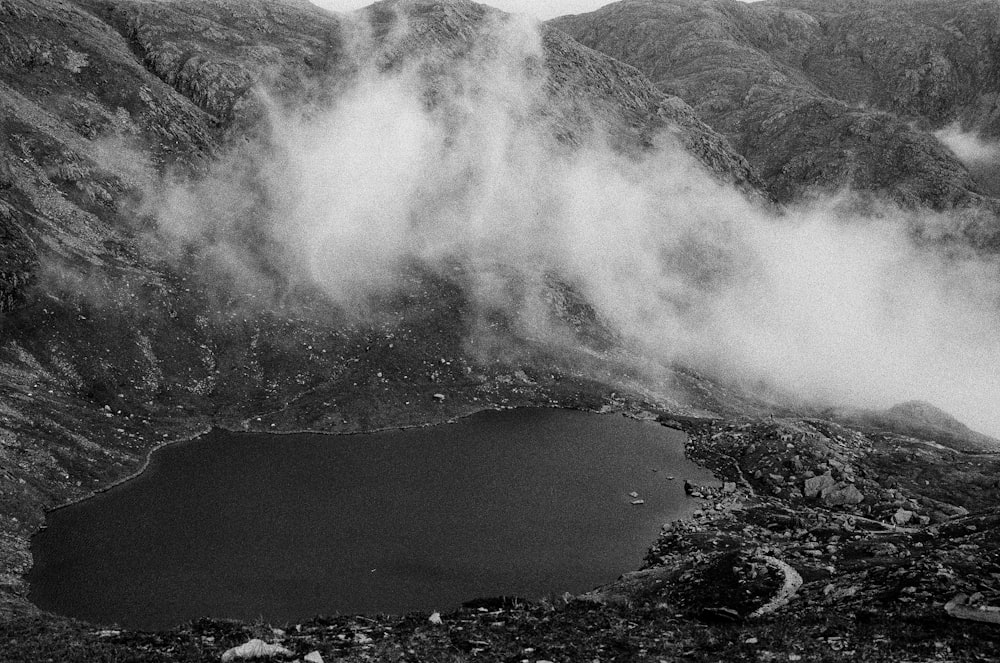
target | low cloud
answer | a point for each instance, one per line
(970, 148)
(447, 162)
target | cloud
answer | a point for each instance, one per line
(544, 9)
(969, 147)
(450, 162)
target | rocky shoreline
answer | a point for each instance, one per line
(762, 570)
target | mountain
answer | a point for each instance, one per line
(168, 175)
(825, 95)
(110, 345)
(919, 419)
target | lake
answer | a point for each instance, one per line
(527, 502)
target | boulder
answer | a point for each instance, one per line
(833, 493)
(961, 607)
(254, 649)
(902, 517)
(842, 494)
(815, 486)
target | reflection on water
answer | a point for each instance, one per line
(525, 502)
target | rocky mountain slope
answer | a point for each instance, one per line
(114, 341)
(109, 346)
(825, 95)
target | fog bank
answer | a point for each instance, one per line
(444, 162)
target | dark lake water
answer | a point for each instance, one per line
(524, 502)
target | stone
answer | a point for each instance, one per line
(816, 485)
(902, 517)
(842, 494)
(961, 607)
(720, 614)
(952, 510)
(254, 649)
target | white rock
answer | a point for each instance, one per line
(961, 607)
(254, 649)
(902, 517)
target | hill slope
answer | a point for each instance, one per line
(165, 268)
(115, 338)
(824, 95)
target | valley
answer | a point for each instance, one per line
(682, 211)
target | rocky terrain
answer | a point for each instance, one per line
(825, 95)
(112, 345)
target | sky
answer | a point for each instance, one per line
(543, 9)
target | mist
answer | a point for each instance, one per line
(981, 155)
(543, 9)
(968, 146)
(446, 161)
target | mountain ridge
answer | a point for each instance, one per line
(821, 96)
(116, 339)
